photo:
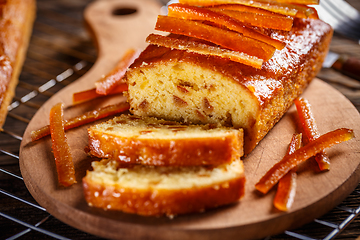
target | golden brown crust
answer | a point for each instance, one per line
(274, 87)
(189, 150)
(167, 202)
(17, 17)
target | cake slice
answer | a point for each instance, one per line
(196, 88)
(150, 141)
(156, 191)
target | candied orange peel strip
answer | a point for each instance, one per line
(310, 129)
(306, 2)
(82, 119)
(203, 48)
(272, 21)
(281, 8)
(286, 190)
(233, 40)
(246, 8)
(197, 13)
(63, 159)
(106, 84)
(87, 95)
(302, 154)
(293, 10)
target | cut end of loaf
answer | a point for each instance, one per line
(188, 92)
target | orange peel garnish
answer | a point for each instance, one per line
(84, 118)
(310, 129)
(272, 21)
(233, 40)
(281, 8)
(306, 2)
(191, 45)
(107, 83)
(293, 10)
(302, 154)
(218, 17)
(63, 159)
(286, 189)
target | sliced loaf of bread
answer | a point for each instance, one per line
(157, 191)
(150, 141)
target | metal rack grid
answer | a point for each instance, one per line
(60, 52)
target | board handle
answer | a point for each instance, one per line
(115, 26)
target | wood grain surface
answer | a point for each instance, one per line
(253, 217)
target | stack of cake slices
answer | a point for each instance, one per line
(156, 167)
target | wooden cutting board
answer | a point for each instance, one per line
(253, 217)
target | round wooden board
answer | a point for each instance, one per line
(253, 217)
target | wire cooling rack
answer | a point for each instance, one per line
(59, 53)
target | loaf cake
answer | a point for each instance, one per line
(160, 169)
(16, 21)
(196, 88)
(156, 191)
(150, 141)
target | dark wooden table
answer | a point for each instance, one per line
(60, 52)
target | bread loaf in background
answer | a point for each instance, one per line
(16, 22)
(193, 88)
(152, 179)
